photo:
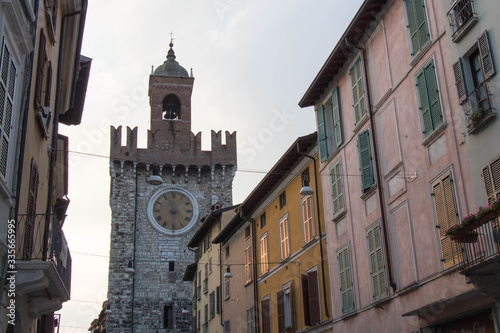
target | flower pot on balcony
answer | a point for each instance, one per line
(467, 239)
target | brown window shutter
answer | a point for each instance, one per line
(40, 70)
(48, 84)
(486, 59)
(281, 317)
(459, 81)
(312, 279)
(305, 300)
(266, 320)
(292, 316)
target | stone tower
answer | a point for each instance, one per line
(157, 197)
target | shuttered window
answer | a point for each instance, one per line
(307, 217)
(31, 211)
(250, 322)
(430, 104)
(337, 128)
(7, 90)
(345, 279)
(445, 208)
(486, 59)
(248, 265)
(285, 308)
(365, 161)
(264, 260)
(40, 70)
(284, 238)
(491, 178)
(377, 263)
(212, 304)
(337, 188)
(417, 24)
(227, 326)
(266, 315)
(358, 91)
(322, 138)
(310, 297)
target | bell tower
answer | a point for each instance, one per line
(157, 195)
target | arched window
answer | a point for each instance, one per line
(171, 107)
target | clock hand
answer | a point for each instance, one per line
(173, 211)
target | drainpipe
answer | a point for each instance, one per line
(319, 229)
(55, 129)
(254, 255)
(377, 170)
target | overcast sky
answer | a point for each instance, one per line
(252, 62)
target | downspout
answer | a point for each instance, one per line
(377, 170)
(254, 255)
(319, 229)
(55, 129)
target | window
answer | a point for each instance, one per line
(248, 265)
(198, 289)
(417, 25)
(250, 322)
(377, 262)
(365, 161)
(472, 73)
(337, 188)
(491, 178)
(263, 220)
(430, 104)
(218, 299)
(210, 265)
(212, 304)
(199, 318)
(7, 90)
(226, 251)
(206, 314)
(266, 315)
(227, 328)
(307, 218)
(329, 127)
(345, 279)
(209, 240)
(264, 260)
(205, 281)
(31, 211)
(285, 308)
(461, 16)
(205, 244)
(310, 298)
(168, 316)
(247, 232)
(358, 91)
(282, 200)
(284, 239)
(226, 285)
(445, 208)
(171, 266)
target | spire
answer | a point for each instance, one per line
(171, 53)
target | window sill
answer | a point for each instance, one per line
(482, 123)
(247, 283)
(421, 53)
(368, 193)
(339, 215)
(434, 135)
(361, 123)
(457, 36)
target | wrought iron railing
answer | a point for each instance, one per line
(485, 248)
(32, 245)
(461, 15)
(478, 108)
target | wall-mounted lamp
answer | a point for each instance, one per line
(155, 179)
(306, 189)
(130, 268)
(228, 273)
(184, 311)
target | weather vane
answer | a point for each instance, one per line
(171, 36)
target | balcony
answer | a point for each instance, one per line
(43, 264)
(478, 110)
(461, 17)
(480, 259)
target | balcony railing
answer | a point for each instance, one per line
(478, 110)
(461, 17)
(486, 247)
(31, 244)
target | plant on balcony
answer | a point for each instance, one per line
(488, 213)
(469, 237)
(476, 117)
(288, 329)
(456, 231)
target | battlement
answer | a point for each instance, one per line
(173, 148)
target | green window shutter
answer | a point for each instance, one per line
(337, 188)
(337, 130)
(459, 80)
(377, 262)
(323, 146)
(412, 24)
(433, 93)
(486, 59)
(365, 160)
(445, 208)
(417, 23)
(345, 280)
(358, 91)
(424, 104)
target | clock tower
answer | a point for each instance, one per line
(157, 196)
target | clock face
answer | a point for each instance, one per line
(172, 211)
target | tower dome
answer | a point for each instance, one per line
(171, 67)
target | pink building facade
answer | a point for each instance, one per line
(395, 175)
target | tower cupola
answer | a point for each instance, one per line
(171, 67)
